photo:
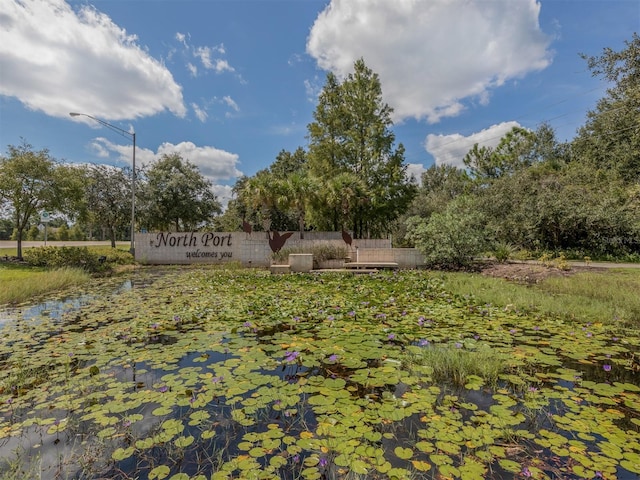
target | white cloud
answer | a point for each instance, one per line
(182, 38)
(103, 148)
(451, 149)
(432, 55)
(57, 60)
(193, 70)
(312, 89)
(217, 165)
(231, 103)
(224, 194)
(205, 54)
(200, 112)
(223, 66)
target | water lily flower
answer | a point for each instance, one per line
(421, 320)
(458, 345)
(606, 367)
(352, 313)
(323, 462)
(163, 389)
(333, 358)
(217, 379)
(423, 342)
(391, 336)
(246, 324)
(291, 356)
(154, 326)
(331, 318)
(525, 472)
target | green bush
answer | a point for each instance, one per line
(503, 251)
(451, 239)
(58, 257)
(114, 256)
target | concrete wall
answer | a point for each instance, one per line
(404, 257)
(253, 249)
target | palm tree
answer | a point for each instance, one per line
(299, 191)
(345, 195)
(261, 192)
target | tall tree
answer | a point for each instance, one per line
(610, 138)
(31, 181)
(108, 198)
(352, 134)
(287, 163)
(176, 195)
(512, 153)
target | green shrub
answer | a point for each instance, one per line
(114, 256)
(503, 251)
(58, 257)
(450, 239)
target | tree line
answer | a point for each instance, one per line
(529, 192)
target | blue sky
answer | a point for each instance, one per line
(228, 84)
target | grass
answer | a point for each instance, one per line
(457, 366)
(607, 297)
(20, 283)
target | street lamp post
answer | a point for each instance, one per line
(133, 171)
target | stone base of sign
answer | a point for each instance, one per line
(279, 269)
(301, 262)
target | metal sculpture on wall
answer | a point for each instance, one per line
(277, 241)
(346, 237)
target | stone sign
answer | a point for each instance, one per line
(189, 247)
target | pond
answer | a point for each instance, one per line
(208, 374)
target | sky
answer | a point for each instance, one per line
(228, 84)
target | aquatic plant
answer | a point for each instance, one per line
(207, 373)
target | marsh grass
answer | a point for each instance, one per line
(20, 284)
(458, 366)
(608, 297)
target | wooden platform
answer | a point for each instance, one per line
(370, 265)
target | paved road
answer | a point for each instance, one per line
(56, 243)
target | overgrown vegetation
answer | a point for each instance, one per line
(18, 284)
(77, 257)
(606, 297)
